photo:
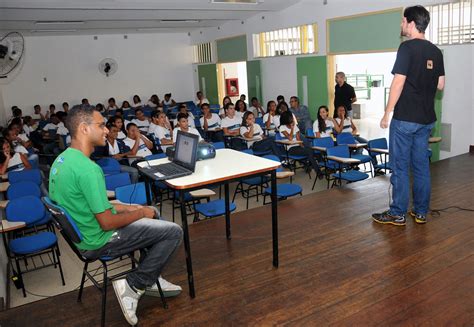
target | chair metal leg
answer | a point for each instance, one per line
(104, 295)
(83, 279)
(162, 295)
(20, 277)
(59, 264)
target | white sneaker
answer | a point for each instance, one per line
(128, 299)
(169, 289)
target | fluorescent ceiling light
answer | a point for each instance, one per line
(243, 2)
(52, 31)
(59, 22)
(148, 29)
(179, 21)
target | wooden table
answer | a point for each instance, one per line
(228, 166)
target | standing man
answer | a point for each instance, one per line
(344, 95)
(419, 73)
(77, 184)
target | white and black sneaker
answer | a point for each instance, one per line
(169, 289)
(128, 299)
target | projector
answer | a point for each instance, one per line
(204, 151)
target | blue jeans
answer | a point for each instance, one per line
(156, 239)
(408, 146)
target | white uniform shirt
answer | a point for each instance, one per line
(143, 151)
(284, 128)
(190, 130)
(327, 132)
(347, 125)
(257, 134)
(231, 124)
(142, 125)
(213, 123)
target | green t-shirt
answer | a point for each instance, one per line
(78, 185)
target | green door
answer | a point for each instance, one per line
(254, 78)
(208, 82)
(436, 131)
(312, 82)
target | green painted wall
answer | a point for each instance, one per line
(315, 70)
(435, 147)
(232, 49)
(209, 74)
(254, 80)
(379, 31)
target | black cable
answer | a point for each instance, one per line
(437, 212)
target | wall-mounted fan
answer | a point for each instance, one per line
(12, 46)
(108, 66)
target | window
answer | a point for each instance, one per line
(451, 23)
(202, 53)
(287, 41)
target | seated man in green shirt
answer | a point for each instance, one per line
(77, 184)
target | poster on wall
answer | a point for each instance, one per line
(232, 86)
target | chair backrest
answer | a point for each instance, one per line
(259, 121)
(324, 142)
(28, 209)
(131, 194)
(339, 151)
(32, 175)
(345, 138)
(116, 180)
(380, 143)
(21, 189)
(274, 158)
(197, 122)
(218, 145)
(64, 223)
(248, 151)
(109, 165)
(310, 132)
(156, 156)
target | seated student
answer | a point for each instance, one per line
(17, 113)
(168, 101)
(211, 125)
(11, 160)
(200, 99)
(280, 98)
(111, 105)
(85, 102)
(28, 125)
(77, 184)
(272, 118)
(65, 106)
(231, 127)
(62, 131)
(140, 145)
(243, 98)
(289, 130)
(159, 130)
(344, 124)
(281, 108)
(225, 101)
(125, 106)
(241, 107)
(324, 125)
(142, 121)
(154, 101)
(184, 109)
(119, 150)
(137, 102)
(51, 111)
(254, 135)
(20, 142)
(301, 112)
(182, 125)
(49, 134)
(100, 108)
(119, 122)
(256, 108)
(38, 115)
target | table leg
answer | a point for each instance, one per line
(227, 211)
(274, 218)
(148, 191)
(187, 246)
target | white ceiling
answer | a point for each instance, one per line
(124, 16)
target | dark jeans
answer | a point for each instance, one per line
(156, 239)
(265, 145)
(214, 136)
(305, 151)
(409, 150)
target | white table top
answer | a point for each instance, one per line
(227, 164)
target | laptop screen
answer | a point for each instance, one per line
(186, 150)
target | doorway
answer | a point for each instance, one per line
(232, 80)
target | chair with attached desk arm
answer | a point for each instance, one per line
(292, 159)
(286, 190)
(71, 233)
(349, 140)
(339, 158)
(378, 150)
(320, 146)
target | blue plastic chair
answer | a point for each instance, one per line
(343, 172)
(71, 233)
(23, 188)
(117, 180)
(131, 194)
(219, 145)
(323, 142)
(30, 209)
(212, 209)
(381, 160)
(291, 158)
(309, 132)
(284, 191)
(109, 165)
(348, 138)
(32, 175)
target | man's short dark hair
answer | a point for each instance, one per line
(280, 97)
(419, 15)
(17, 112)
(138, 109)
(78, 114)
(295, 98)
(15, 121)
(130, 125)
(182, 105)
(198, 92)
(182, 115)
(254, 99)
(205, 105)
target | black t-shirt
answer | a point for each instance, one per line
(422, 64)
(343, 95)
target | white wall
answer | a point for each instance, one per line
(279, 74)
(148, 63)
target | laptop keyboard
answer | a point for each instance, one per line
(169, 169)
